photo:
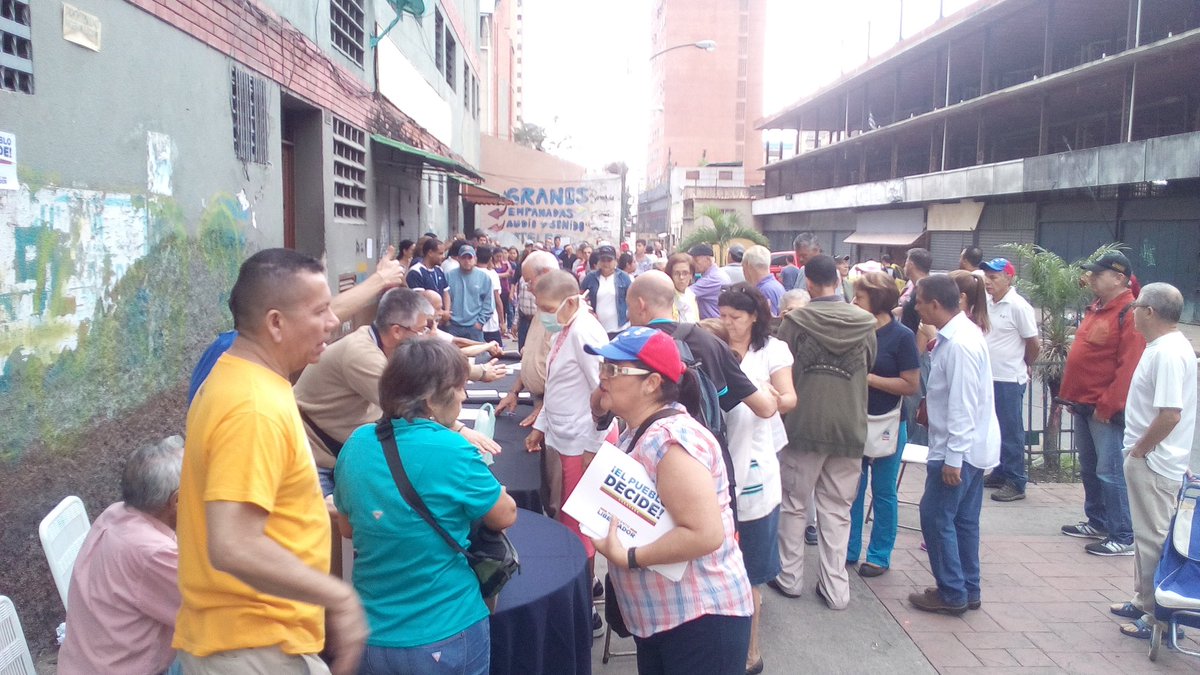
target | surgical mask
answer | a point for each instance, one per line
(550, 319)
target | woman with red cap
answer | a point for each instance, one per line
(700, 624)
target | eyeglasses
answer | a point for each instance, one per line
(423, 330)
(612, 370)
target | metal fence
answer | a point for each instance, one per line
(1047, 460)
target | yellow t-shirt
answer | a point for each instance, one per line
(246, 443)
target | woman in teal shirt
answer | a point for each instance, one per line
(421, 598)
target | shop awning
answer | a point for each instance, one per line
(883, 238)
(959, 217)
(477, 194)
(890, 227)
(430, 158)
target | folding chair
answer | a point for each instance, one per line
(14, 651)
(62, 532)
(912, 454)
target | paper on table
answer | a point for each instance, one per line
(477, 394)
(616, 484)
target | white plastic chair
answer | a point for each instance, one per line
(62, 532)
(14, 651)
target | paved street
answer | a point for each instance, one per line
(1044, 607)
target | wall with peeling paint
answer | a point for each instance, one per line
(133, 214)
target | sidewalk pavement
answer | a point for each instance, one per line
(1045, 606)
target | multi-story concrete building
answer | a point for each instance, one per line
(703, 105)
(673, 206)
(501, 48)
(1066, 123)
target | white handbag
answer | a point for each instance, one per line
(882, 434)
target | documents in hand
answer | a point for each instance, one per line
(615, 484)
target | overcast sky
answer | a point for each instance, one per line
(587, 80)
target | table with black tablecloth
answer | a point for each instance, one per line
(516, 468)
(543, 620)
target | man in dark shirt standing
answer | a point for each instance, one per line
(428, 273)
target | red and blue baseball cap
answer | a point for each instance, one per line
(650, 346)
(999, 265)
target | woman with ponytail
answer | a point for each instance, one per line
(972, 297)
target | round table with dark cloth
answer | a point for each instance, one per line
(543, 620)
(518, 469)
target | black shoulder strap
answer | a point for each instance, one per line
(1121, 316)
(661, 414)
(383, 431)
(330, 442)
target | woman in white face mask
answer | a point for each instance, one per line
(564, 427)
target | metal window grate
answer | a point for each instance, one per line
(249, 104)
(439, 25)
(451, 48)
(346, 28)
(16, 47)
(349, 173)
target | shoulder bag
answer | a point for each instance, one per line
(491, 555)
(882, 434)
(612, 610)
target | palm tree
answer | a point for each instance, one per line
(1053, 285)
(726, 226)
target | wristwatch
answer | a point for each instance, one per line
(631, 558)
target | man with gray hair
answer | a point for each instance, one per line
(1160, 419)
(340, 392)
(124, 591)
(805, 246)
(756, 264)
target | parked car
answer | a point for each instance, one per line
(779, 260)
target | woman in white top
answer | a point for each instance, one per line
(753, 441)
(682, 272)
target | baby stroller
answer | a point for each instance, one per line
(1177, 579)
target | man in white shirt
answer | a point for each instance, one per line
(1160, 419)
(1013, 345)
(642, 258)
(964, 441)
(733, 269)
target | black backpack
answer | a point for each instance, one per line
(709, 413)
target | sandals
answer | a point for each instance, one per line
(1141, 630)
(1125, 610)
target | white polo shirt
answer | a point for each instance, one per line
(1165, 377)
(1013, 321)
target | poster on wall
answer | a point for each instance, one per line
(587, 210)
(8, 161)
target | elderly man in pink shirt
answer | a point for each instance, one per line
(124, 591)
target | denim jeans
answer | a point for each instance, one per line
(1101, 470)
(1009, 397)
(523, 323)
(883, 473)
(950, 524)
(465, 653)
(468, 332)
(709, 644)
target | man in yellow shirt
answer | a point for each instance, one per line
(254, 534)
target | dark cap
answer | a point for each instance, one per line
(1115, 261)
(701, 249)
(606, 250)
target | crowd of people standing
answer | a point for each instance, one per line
(762, 407)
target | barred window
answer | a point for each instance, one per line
(451, 61)
(439, 26)
(346, 28)
(349, 173)
(16, 47)
(249, 103)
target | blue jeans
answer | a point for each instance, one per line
(468, 332)
(1009, 397)
(1102, 472)
(711, 644)
(950, 524)
(883, 473)
(465, 653)
(523, 323)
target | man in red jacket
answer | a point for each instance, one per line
(1096, 381)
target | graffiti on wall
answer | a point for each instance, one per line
(580, 210)
(61, 252)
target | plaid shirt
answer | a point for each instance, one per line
(712, 584)
(526, 303)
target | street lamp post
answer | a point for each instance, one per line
(706, 45)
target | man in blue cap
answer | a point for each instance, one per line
(1014, 345)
